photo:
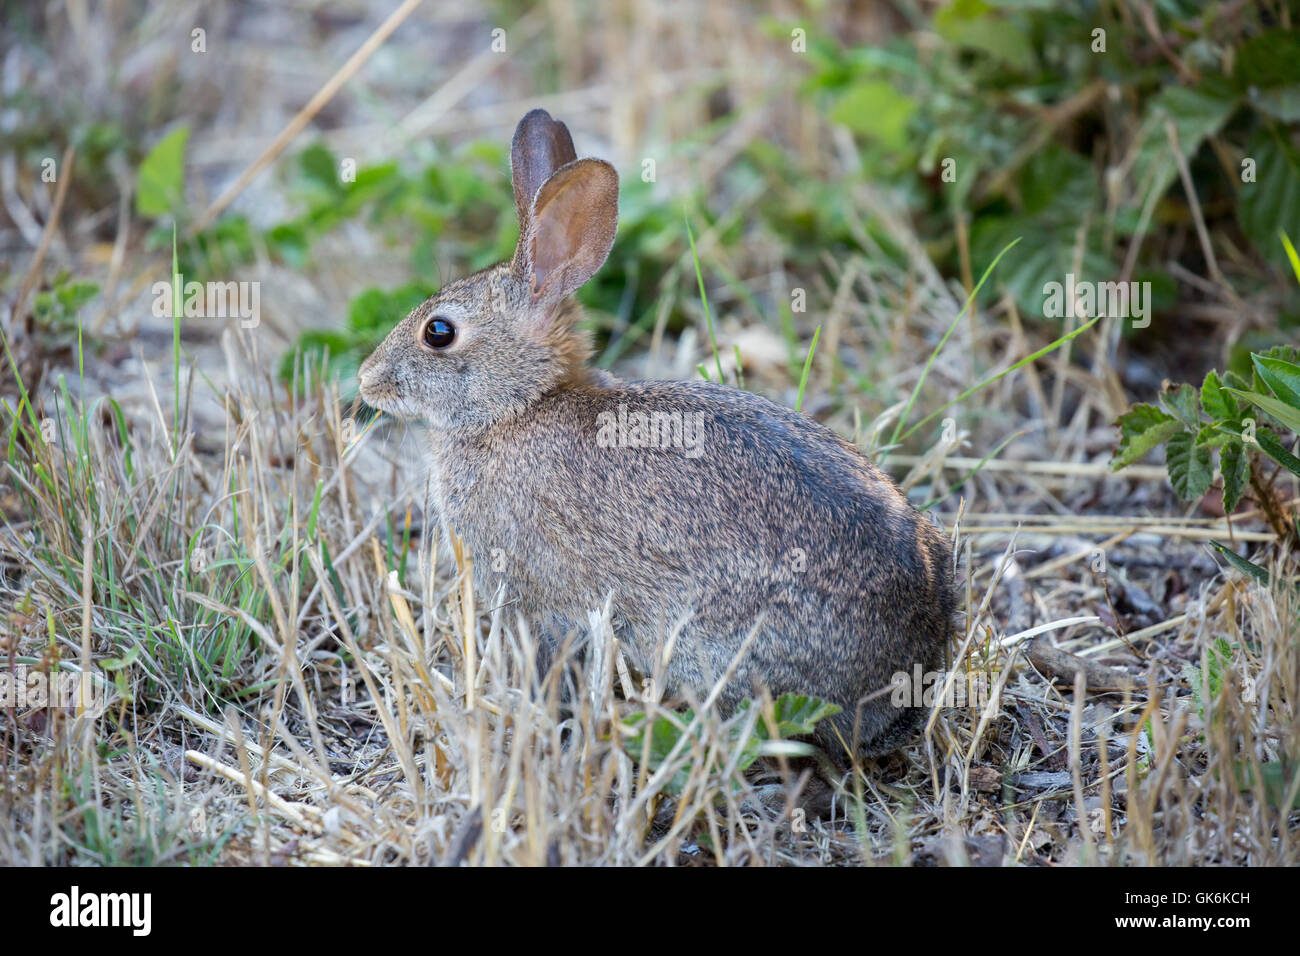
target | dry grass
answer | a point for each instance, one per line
(298, 671)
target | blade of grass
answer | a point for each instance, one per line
(902, 419)
(974, 471)
(176, 347)
(704, 299)
(993, 378)
(807, 364)
(1290, 253)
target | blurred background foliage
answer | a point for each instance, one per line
(1058, 122)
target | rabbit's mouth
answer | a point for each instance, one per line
(384, 400)
(379, 396)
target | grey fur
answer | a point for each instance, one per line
(771, 522)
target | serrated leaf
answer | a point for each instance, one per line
(1141, 428)
(1287, 353)
(1190, 467)
(160, 183)
(1234, 464)
(1232, 380)
(1215, 402)
(1209, 436)
(1283, 378)
(1183, 403)
(1196, 114)
(1272, 202)
(664, 734)
(796, 715)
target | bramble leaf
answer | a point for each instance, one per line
(1141, 428)
(1215, 402)
(1190, 467)
(1234, 463)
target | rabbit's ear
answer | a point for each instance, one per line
(571, 228)
(540, 147)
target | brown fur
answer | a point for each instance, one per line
(777, 524)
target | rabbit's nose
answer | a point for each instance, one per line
(366, 375)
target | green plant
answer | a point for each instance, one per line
(1228, 429)
(57, 308)
(670, 736)
(1077, 135)
(1233, 429)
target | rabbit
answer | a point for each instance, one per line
(712, 519)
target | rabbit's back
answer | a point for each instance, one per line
(699, 503)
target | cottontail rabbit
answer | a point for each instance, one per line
(706, 512)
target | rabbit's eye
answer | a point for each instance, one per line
(439, 334)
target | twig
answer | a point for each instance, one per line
(47, 236)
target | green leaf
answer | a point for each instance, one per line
(1283, 378)
(374, 311)
(807, 366)
(290, 242)
(1215, 402)
(1234, 463)
(1190, 467)
(796, 715)
(1277, 451)
(967, 24)
(1282, 103)
(320, 168)
(1209, 436)
(1284, 413)
(126, 660)
(1182, 401)
(1287, 353)
(1241, 564)
(345, 353)
(1141, 428)
(875, 109)
(925, 371)
(665, 732)
(1276, 776)
(1272, 202)
(1268, 59)
(1058, 190)
(1196, 114)
(160, 184)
